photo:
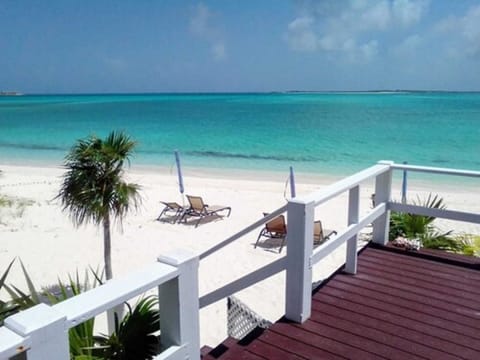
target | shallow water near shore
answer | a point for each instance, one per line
(318, 133)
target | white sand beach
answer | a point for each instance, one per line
(50, 246)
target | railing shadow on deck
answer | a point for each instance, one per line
(42, 331)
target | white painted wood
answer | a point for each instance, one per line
(322, 196)
(243, 232)
(353, 214)
(116, 291)
(11, 343)
(173, 353)
(298, 297)
(438, 213)
(436, 170)
(328, 247)
(383, 189)
(46, 329)
(179, 306)
(244, 282)
(116, 312)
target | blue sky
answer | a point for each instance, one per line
(86, 46)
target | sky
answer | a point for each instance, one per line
(115, 46)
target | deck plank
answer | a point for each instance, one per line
(397, 307)
(403, 341)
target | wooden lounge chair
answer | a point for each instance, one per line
(201, 210)
(277, 229)
(174, 210)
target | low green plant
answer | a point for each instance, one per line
(81, 337)
(5, 201)
(422, 227)
(7, 308)
(134, 337)
(470, 244)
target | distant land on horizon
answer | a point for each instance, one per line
(18, 93)
(10, 93)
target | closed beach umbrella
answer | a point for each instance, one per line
(292, 183)
(179, 173)
(404, 186)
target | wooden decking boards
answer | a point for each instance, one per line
(396, 307)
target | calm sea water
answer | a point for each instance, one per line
(331, 133)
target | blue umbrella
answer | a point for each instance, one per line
(179, 172)
(292, 183)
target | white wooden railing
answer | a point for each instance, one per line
(42, 330)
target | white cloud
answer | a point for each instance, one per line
(470, 25)
(372, 15)
(301, 36)
(461, 34)
(218, 51)
(199, 22)
(202, 25)
(408, 47)
(352, 27)
(409, 12)
(369, 50)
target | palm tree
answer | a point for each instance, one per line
(93, 189)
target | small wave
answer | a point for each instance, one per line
(31, 146)
(440, 161)
(220, 154)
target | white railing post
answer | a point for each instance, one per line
(46, 329)
(298, 292)
(179, 305)
(383, 190)
(353, 216)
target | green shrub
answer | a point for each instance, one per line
(134, 337)
(470, 244)
(413, 226)
(81, 336)
(421, 227)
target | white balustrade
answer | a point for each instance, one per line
(43, 330)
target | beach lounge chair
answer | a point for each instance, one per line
(274, 229)
(174, 210)
(201, 210)
(318, 235)
(277, 229)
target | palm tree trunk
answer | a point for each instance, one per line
(107, 247)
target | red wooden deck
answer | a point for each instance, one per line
(396, 307)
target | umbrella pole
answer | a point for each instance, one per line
(180, 176)
(292, 183)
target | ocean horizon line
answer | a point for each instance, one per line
(291, 91)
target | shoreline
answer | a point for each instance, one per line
(416, 181)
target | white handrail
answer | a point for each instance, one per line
(11, 343)
(243, 282)
(436, 170)
(243, 232)
(329, 246)
(95, 301)
(343, 185)
(438, 213)
(44, 328)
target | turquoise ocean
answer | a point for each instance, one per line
(324, 133)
